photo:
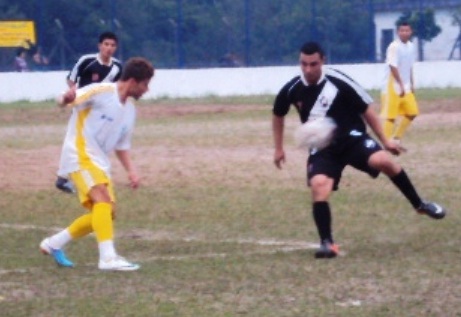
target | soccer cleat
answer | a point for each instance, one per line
(117, 263)
(58, 255)
(327, 250)
(64, 185)
(431, 209)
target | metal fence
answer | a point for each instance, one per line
(209, 33)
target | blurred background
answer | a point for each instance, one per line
(224, 33)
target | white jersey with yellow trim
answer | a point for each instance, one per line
(99, 124)
(401, 56)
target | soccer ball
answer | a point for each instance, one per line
(315, 134)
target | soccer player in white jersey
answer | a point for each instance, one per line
(90, 69)
(398, 103)
(102, 121)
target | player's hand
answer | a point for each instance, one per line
(68, 97)
(279, 158)
(134, 179)
(394, 147)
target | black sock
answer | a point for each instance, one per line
(322, 217)
(404, 184)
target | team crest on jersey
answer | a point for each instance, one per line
(95, 77)
(323, 101)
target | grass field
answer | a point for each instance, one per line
(220, 232)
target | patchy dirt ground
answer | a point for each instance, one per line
(35, 169)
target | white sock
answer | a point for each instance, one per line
(107, 250)
(60, 239)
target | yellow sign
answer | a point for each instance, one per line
(17, 33)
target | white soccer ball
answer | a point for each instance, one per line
(315, 134)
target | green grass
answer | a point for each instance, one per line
(220, 232)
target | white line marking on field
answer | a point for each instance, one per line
(27, 227)
(223, 255)
(277, 246)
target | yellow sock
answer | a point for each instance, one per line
(389, 126)
(102, 221)
(402, 128)
(81, 226)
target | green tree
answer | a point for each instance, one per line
(423, 25)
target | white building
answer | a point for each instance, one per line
(440, 47)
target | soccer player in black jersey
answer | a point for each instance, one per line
(319, 91)
(97, 67)
(93, 68)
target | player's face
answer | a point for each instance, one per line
(311, 66)
(139, 88)
(107, 48)
(404, 32)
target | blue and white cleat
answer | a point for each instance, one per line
(58, 255)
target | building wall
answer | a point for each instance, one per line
(437, 49)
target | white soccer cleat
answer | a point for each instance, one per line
(117, 263)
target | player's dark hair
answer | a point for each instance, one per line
(310, 48)
(403, 23)
(137, 68)
(108, 36)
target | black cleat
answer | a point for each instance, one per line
(431, 209)
(327, 250)
(64, 185)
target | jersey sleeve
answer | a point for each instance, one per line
(392, 56)
(357, 97)
(88, 96)
(282, 100)
(125, 141)
(76, 71)
(119, 73)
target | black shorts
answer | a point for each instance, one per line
(354, 150)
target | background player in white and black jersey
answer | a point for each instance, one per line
(93, 68)
(327, 92)
(97, 67)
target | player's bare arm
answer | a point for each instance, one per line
(125, 159)
(396, 74)
(412, 81)
(278, 124)
(374, 122)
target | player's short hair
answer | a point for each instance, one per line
(108, 36)
(310, 48)
(403, 23)
(137, 68)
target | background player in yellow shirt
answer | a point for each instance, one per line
(101, 122)
(398, 99)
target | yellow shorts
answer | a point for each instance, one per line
(392, 105)
(84, 180)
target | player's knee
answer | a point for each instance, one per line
(321, 187)
(383, 162)
(100, 194)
